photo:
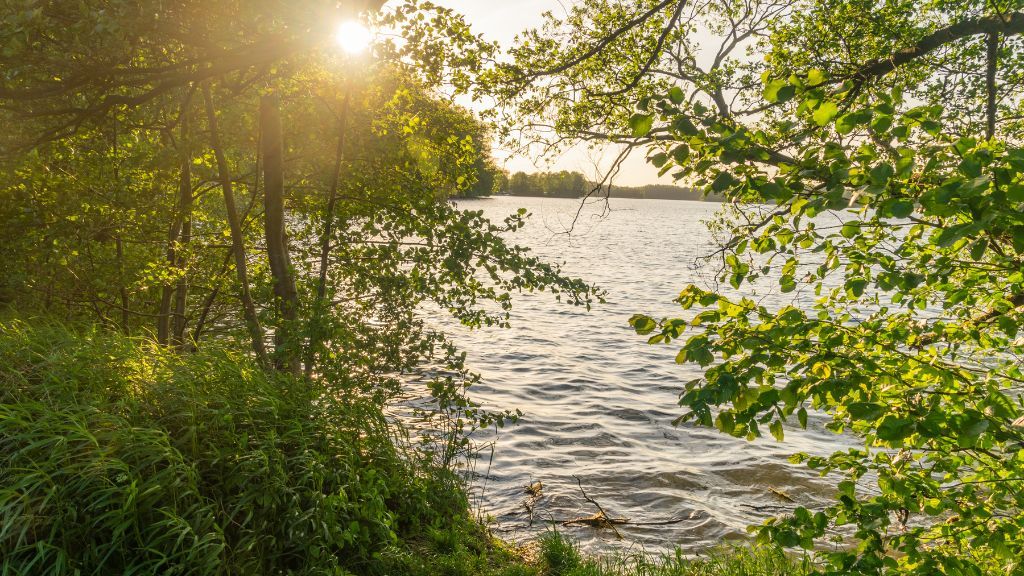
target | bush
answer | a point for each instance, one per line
(119, 457)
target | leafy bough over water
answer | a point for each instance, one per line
(908, 113)
(935, 397)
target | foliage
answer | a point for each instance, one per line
(204, 178)
(119, 456)
(561, 557)
(93, 214)
(872, 151)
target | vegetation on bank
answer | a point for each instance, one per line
(118, 456)
(560, 557)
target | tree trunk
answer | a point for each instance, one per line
(163, 317)
(123, 290)
(164, 332)
(237, 241)
(181, 293)
(286, 346)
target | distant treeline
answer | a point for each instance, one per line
(552, 184)
(663, 192)
(566, 184)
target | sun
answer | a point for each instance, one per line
(353, 37)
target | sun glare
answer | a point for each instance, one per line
(353, 37)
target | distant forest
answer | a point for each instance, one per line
(565, 184)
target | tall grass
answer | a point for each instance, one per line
(117, 457)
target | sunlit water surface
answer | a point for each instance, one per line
(598, 401)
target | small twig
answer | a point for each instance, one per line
(604, 515)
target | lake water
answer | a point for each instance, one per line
(598, 401)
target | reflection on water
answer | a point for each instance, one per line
(598, 402)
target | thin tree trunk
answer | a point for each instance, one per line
(119, 244)
(123, 291)
(181, 293)
(237, 241)
(164, 333)
(992, 46)
(286, 352)
(316, 333)
(204, 310)
(163, 318)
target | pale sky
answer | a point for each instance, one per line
(501, 21)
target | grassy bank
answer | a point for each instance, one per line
(559, 556)
(120, 457)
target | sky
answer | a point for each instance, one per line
(501, 21)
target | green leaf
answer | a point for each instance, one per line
(779, 91)
(1018, 239)
(978, 249)
(676, 95)
(901, 208)
(1008, 326)
(970, 167)
(881, 173)
(881, 123)
(972, 428)
(856, 286)
(848, 122)
(776, 429)
(723, 181)
(684, 126)
(681, 153)
(894, 429)
(825, 113)
(788, 284)
(1015, 193)
(866, 411)
(643, 324)
(850, 229)
(641, 124)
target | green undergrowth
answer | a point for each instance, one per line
(560, 556)
(120, 457)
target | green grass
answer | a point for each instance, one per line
(119, 457)
(561, 557)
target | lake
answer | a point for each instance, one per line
(598, 401)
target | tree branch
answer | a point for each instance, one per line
(1007, 24)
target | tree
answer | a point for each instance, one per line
(873, 153)
(108, 205)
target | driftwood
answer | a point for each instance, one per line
(601, 519)
(780, 494)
